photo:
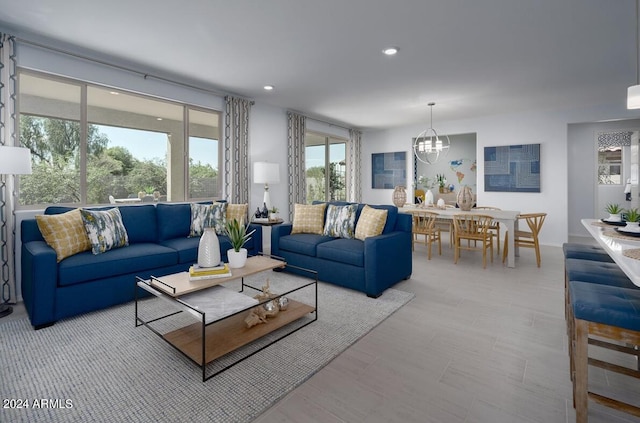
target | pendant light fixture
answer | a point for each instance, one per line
(428, 147)
(633, 92)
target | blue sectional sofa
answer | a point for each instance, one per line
(370, 266)
(158, 245)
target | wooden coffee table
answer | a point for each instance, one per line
(219, 312)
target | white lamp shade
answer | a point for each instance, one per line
(633, 97)
(266, 173)
(15, 160)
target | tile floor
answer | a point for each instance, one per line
(474, 345)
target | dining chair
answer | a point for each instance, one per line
(529, 238)
(424, 223)
(472, 227)
(495, 226)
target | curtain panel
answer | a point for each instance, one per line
(296, 126)
(354, 192)
(236, 149)
(8, 137)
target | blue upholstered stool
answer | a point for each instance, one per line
(585, 252)
(610, 313)
(599, 272)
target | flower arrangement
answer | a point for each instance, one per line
(442, 181)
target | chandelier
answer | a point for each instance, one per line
(427, 146)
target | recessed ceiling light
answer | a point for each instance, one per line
(159, 118)
(390, 51)
(114, 92)
(268, 87)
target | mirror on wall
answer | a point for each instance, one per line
(458, 167)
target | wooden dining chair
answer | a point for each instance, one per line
(472, 227)
(529, 238)
(495, 226)
(424, 223)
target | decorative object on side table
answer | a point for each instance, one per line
(399, 196)
(614, 211)
(208, 249)
(266, 173)
(13, 161)
(442, 182)
(465, 198)
(273, 213)
(238, 236)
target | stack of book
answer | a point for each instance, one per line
(197, 273)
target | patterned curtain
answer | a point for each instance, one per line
(354, 183)
(7, 137)
(296, 125)
(236, 149)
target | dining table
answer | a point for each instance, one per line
(509, 218)
(621, 244)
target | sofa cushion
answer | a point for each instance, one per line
(140, 221)
(238, 212)
(64, 233)
(85, 266)
(340, 221)
(187, 248)
(174, 220)
(308, 219)
(208, 216)
(104, 229)
(303, 243)
(348, 251)
(371, 222)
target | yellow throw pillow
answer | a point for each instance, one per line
(64, 233)
(238, 212)
(308, 219)
(371, 222)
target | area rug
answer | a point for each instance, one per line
(99, 367)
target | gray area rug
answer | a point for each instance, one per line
(99, 367)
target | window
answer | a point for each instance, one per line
(324, 153)
(610, 165)
(128, 148)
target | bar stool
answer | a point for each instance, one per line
(585, 252)
(611, 313)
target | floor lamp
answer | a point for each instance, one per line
(266, 173)
(13, 161)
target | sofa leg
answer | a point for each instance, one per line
(45, 325)
(374, 296)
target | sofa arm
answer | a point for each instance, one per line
(256, 239)
(39, 281)
(387, 261)
(278, 231)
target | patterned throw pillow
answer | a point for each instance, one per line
(64, 233)
(208, 216)
(238, 212)
(308, 219)
(104, 229)
(371, 222)
(341, 221)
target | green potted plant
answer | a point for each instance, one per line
(273, 213)
(614, 211)
(633, 220)
(238, 236)
(442, 181)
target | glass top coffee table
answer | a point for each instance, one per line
(208, 319)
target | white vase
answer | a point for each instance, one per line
(633, 226)
(428, 198)
(615, 217)
(237, 259)
(209, 249)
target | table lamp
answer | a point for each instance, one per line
(266, 173)
(13, 161)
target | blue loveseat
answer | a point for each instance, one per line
(158, 245)
(370, 266)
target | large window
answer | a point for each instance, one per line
(610, 165)
(325, 167)
(93, 145)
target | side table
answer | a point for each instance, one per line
(266, 232)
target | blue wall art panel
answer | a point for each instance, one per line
(388, 170)
(512, 168)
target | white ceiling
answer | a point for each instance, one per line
(472, 57)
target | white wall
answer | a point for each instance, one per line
(548, 128)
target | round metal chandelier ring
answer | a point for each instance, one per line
(428, 147)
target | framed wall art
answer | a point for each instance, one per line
(512, 168)
(388, 170)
